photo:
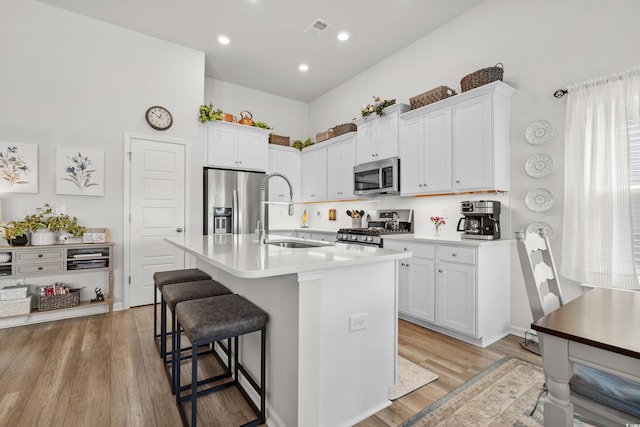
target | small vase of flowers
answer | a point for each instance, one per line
(438, 222)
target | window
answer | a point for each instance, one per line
(634, 171)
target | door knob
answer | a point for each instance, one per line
(179, 230)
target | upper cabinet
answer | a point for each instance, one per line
(341, 158)
(425, 153)
(287, 161)
(314, 173)
(230, 145)
(458, 144)
(378, 136)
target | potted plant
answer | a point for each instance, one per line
(69, 231)
(44, 224)
(15, 233)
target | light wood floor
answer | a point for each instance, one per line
(105, 371)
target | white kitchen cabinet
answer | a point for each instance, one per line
(456, 289)
(287, 161)
(458, 144)
(425, 153)
(481, 139)
(378, 136)
(234, 146)
(416, 280)
(341, 158)
(461, 290)
(314, 173)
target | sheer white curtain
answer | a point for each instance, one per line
(597, 230)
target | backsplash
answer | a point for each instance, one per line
(423, 208)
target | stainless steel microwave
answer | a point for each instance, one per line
(378, 178)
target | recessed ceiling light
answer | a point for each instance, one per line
(343, 36)
(223, 40)
(303, 67)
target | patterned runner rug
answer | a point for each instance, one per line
(503, 394)
(410, 377)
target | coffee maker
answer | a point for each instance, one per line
(481, 220)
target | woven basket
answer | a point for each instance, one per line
(431, 96)
(323, 136)
(279, 140)
(344, 128)
(482, 77)
(56, 302)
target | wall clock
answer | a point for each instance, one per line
(159, 118)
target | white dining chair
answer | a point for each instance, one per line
(598, 397)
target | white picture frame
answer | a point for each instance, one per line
(18, 167)
(79, 172)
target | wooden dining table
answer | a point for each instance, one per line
(601, 329)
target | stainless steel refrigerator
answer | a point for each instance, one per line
(231, 201)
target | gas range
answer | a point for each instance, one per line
(380, 223)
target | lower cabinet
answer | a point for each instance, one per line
(459, 290)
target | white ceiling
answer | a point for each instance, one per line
(268, 41)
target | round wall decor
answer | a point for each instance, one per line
(539, 200)
(538, 132)
(539, 165)
(535, 226)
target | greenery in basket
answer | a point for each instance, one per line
(377, 107)
(300, 144)
(208, 113)
(13, 229)
(262, 125)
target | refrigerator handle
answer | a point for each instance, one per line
(236, 212)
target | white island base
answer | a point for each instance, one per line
(332, 331)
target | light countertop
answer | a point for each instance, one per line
(241, 255)
(447, 239)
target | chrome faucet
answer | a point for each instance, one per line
(262, 229)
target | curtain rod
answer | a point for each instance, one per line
(559, 93)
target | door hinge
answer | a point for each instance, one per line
(129, 218)
(129, 280)
(129, 152)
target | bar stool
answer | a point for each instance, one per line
(161, 278)
(175, 293)
(208, 320)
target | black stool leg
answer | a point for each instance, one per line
(194, 385)
(263, 376)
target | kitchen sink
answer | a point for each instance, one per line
(298, 244)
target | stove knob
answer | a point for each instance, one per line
(354, 237)
(370, 239)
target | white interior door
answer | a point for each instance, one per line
(157, 210)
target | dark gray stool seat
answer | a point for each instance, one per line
(161, 278)
(208, 320)
(174, 293)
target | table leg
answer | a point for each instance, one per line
(558, 410)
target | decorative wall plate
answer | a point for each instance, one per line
(538, 132)
(539, 165)
(539, 200)
(535, 226)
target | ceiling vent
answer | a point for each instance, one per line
(316, 28)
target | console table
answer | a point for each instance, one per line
(54, 261)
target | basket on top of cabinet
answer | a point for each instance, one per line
(344, 128)
(431, 96)
(279, 140)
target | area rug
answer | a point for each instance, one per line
(502, 395)
(410, 377)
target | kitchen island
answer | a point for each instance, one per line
(332, 331)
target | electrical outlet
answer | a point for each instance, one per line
(59, 209)
(358, 322)
(445, 213)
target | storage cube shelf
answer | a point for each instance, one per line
(54, 260)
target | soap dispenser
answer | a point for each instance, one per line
(305, 218)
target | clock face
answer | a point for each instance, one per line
(159, 118)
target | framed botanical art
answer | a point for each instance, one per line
(79, 172)
(18, 167)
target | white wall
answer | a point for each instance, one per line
(544, 45)
(71, 81)
(285, 116)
